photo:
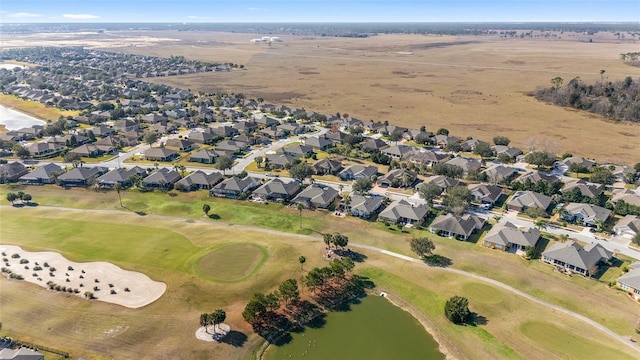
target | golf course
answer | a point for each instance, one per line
(219, 262)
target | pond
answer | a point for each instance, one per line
(373, 329)
(14, 120)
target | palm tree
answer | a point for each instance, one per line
(118, 188)
(206, 208)
(300, 207)
(204, 322)
(302, 260)
(258, 161)
(599, 224)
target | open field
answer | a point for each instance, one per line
(169, 250)
(474, 86)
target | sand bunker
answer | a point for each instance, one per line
(114, 285)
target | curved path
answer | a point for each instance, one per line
(621, 339)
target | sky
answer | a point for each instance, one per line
(135, 11)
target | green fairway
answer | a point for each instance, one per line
(568, 345)
(232, 262)
(482, 293)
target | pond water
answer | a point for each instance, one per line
(373, 329)
(14, 120)
(10, 66)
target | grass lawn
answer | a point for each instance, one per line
(232, 262)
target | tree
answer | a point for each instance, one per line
(456, 309)
(300, 171)
(484, 150)
(206, 208)
(501, 140)
(204, 321)
(300, 207)
(258, 161)
(26, 198)
(422, 246)
(540, 224)
(118, 188)
(442, 131)
(540, 158)
(602, 175)
(458, 199)
(181, 168)
(217, 317)
(11, 197)
(636, 239)
(150, 138)
(362, 185)
(20, 151)
(327, 239)
(395, 136)
(288, 290)
(429, 191)
(577, 168)
(255, 309)
(224, 163)
(339, 240)
(302, 260)
(452, 171)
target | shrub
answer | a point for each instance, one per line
(52, 269)
(37, 268)
(113, 292)
(24, 261)
(95, 288)
(46, 264)
(15, 256)
(127, 289)
(110, 285)
(70, 268)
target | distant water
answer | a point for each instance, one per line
(14, 120)
(10, 66)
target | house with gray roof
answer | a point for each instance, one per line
(586, 189)
(572, 257)
(277, 190)
(507, 237)
(279, 161)
(162, 178)
(588, 164)
(44, 148)
(45, 174)
(444, 182)
(225, 131)
(21, 353)
(199, 180)
(204, 156)
(10, 172)
(398, 178)
(319, 142)
(125, 125)
(521, 200)
(626, 195)
(120, 176)
(160, 154)
(180, 144)
(628, 226)
(297, 150)
(427, 158)
(355, 172)
(536, 176)
(326, 166)
(588, 214)
(470, 145)
(451, 225)
(231, 146)
(630, 282)
(235, 187)
(202, 137)
(403, 212)
(467, 164)
(485, 193)
(512, 152)
(81, 176)
(399, 151)
(500, 173)
(316, 196)
(373, 144)
(363, 206)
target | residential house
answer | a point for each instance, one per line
(451, 225)
(588, 164)
(470, 145)
(522, 200)
(231, 146)
(363, 206)
(512, 152)
(273, 132)
(44, 148)
(297, 150)
(10, 172)
(21, 353)
(399, 151)
(316, 196)
(373, 144)
(45, 174)
(246, 126)
(326, 166)
(125, 125)
(279, 161)
(630, 282)
(586, 189)
(81, 176)
(277, 190)
(626, 195)
(202, 137)
(535, 177)
(101, 131)
(162, 178)
(587, 214)
(292, 128)
(235, 187)
(427, 158)
(91, 150)
(335, 137)
(444, 182)
(355, 172)
(154, 119)
(484, 193)
(499, 174)
(398, 178)
(373, 126)
(204, 156)
(467, 164)
(120, 176)
(199, 180)
(403, 212)
(442, 141)
(628, 226)
(180, 144)
(319, 142)
(266, 121)
(225, 131)
(507, 237)
(573, 258)
(160, 154)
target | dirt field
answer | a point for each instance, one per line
(474, 86)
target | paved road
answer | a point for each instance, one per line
(621, 339)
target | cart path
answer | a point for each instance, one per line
(622, 339)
